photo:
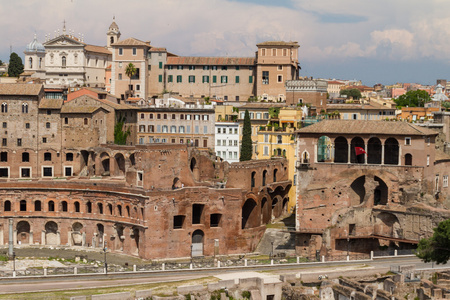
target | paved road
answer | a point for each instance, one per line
(110, 280)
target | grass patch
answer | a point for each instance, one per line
(166, 289)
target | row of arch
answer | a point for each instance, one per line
(340, 151)
(254, 215)
(264, 178)
(109, 209)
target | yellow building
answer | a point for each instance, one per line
(276, 139)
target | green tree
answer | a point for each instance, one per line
(413, 99)
(274, 112)
(355, 93)
(120, 136)
(130, 71)
(15, 67)
(437, 247)
(246, 147)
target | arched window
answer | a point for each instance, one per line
(63, 61)
(128, 211)
(173, 129)
(4, 107)
(85, 121)
(119, 209)
(305, 157)
(275, 175)
(51, 206)
(253, 179)
(100, 208)
(30, 63)
(408, 159)
(181, 129)
(47, 156)
(89, 207)
(24, 108)
(64, 206)
(37, 205)
(110, 209)
(340, 150)
(164, 129)
(374, 151)
(76, 206)
(25, 157)
(391, 151)
(7, 205)
(355, 157)
(40, 62)
(23, 205)
(111, 40)
(324, 149)
(264, 177)
(69, 156)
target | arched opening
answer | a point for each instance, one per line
(23, 205)
(133, 159)
(324, 149)
(111, 40)
(119, 209)
(305, 157)
(110, 208)
(23, 232)
(7, 205)
(253, 180)
(128, 211)
(193, 164)
(100, 234)
(374, 151)
(135, 236)
(51, 206)
(387, 224)
(120, 164)
(30, 63)
(100, 208)
(84, 161)
(77, 235)
(340, 150)
(176, 183)
(249, 216)
(264, 178)
(104, 157)
(277, 207)
(120, 237)
(51, 233)
(197, 243)
(63, 61)
(391, 150)
(64, 206)
(357, 142)
(285, 205)
(76, 206)
(275, 175)
(360, 192)
(37, 205)
(408, 159)
(380, 192)
(88, 207)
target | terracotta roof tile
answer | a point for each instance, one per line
(211, 61)
(366, 127)
(131, 42)
(20, 89)
(97, 49)
(51, 103)
(79, 109)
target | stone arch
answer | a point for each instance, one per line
(128, 211)
(408, 159)
(51, 205)
(110, 209)
(133, 159)
(193, 164)
(176, 183)
(381, 192)
(391, 151)
(100, 234)
(357, 187)
(264, 177)
(105, 164)
(249, 215)
(356, 142)
(387, 224)
(89, 207)
(64, 206)
(77, 235)
(7, 205)
(51, 233)
(76, 206)
(198, 237)
(374, 151)
(119, 161)
(100, 208)
(23, 232)
(285, 205)
(324, 149)
(305, 157)
(277, 207)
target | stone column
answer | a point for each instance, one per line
(43, 237)
(316, 148)
(349, 153)
(366, 154)
(333, 152)
(98, 166)
(10, 237)
(399, 154)
(31, 239)
(382, 154)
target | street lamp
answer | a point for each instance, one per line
(14, 261)
(191, 253)
(271, 253)
(104, 251)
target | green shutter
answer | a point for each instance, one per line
(250, 79)
(160, 65)
(237, 79)
(170, 78)
(160, 78)
(214, 78)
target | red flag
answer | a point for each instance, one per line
(359, 150)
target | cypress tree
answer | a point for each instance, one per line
(15, 67)
(246, 147)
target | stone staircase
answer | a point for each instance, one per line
(282, 235)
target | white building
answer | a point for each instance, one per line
(227, 141)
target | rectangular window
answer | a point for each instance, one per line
(170, 78)
(47, 171)
(250, 79)
(280, 78)
(205, 79)
(407, 141)
(237, 79)
(27, 125)
(191, 79)
(179, 78)
(160, 78)
(4, 156)
(134, 51)
(205, 68)
(169, 67)
(224, 79)
(25, 172)
(120, 76)
(4, 125)
(196, 129)
(188, 129)
(265, 77)
(179, 67)
(19, 142)
(445, 181)
(4, 142)
(219, 142)
(120, 51)
(214, 78)
(67, 171)
(205, 129)
(44, 140)
(138, 87)
(160, 65)
(213, 67)
(191, 68)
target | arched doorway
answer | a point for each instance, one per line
(51, 233)
(408, 159)
(340, 150)
(105, 161)
(197, 243)
(249, 217)
(120, 164)
(357, 159)
(265, 211)
(324, 149)
(391, 150)
(77, 236)
(374, 151)
(23, 232)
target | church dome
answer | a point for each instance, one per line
(35, 46)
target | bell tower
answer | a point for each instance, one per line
(113, 34)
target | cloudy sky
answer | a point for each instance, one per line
(383, 41)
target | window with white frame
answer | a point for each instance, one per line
(407, 141)
(219, 142)
(445, 181)
(266, 138)
(266, 151)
